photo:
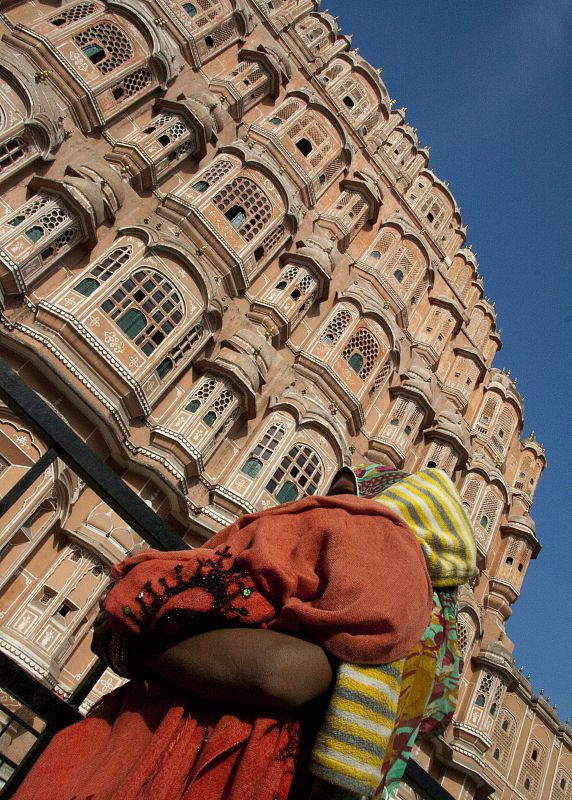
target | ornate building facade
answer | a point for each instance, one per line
(226, 263)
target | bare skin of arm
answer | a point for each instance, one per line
(239, 666)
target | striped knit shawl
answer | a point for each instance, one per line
(376, 712)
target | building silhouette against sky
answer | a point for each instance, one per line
(226, 263)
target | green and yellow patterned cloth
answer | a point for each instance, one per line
(377, 712)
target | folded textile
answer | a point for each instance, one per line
(339, 571)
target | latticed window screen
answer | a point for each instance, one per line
(318, 145)
(103, 270)
(470, 492)
(221, 35)
(361, 352)
(299, 473)
(210, 401)
(531, 772)
(488, 412)
(562, 787)
(28, 211)
(382, 376)
(288, 109)
(215, 172)
(352, 97)
(245, 205)
(382, 245)
(105, 45)
(13, 151)
(505, 425)
(201, 12)
(73, 14)
(270, 241)
(146, 307)
(484, 689)
(433, 210)
(264, 450)
(187, 344)
(133, 83)
(167, 128)
(465, 633)
(503, 738)
(336, 326)
(489, 511)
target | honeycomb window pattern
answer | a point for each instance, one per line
(244, 194)
(337, 325)
(202, 394)
(299, 473)
(73, 14)
(361, 352)
(205, 11)
(382, 376)
(29, 210)
(132, 84)
(117, 48)
(150, 304)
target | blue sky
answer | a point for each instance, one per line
(488, 86)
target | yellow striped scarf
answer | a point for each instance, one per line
(351, 745)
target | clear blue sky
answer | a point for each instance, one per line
(488, 85)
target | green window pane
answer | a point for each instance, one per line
(327, 338)
(252, 467)
(407, 430)
(287, 493)
(480, 701)
(35, 233)
(236, 216)
(394, 421)
(375, 254)
(164, 367)
(17, 220)
(209, 418)
(484, 521)
(86, 286)
(190, 9)
(276, 121)
(200, 186)
(398, 275)
(132, 322)
(356, 362)
(193, 406)
(94, 52)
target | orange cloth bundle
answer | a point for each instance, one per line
(343, 572)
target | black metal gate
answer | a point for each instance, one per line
(33, 700)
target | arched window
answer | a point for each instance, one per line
(361, 352)
(190, 9)
(105, 45)
(336, 326)
(263, 450)
(299, 473)
(103, 270)
(146, 307)
(245, 205)
(210, 401)
(480, 701)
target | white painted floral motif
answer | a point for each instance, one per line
(22, 440)
(113, 341)
(133, 362)
(79, 62)
(25, 622)
(94, 321)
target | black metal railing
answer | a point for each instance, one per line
(35, 697)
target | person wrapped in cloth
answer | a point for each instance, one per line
(365, 576)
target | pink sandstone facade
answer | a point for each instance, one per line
(226, 263)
